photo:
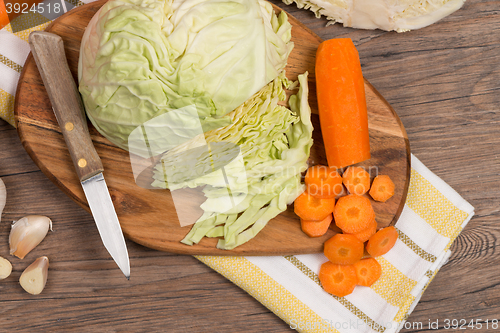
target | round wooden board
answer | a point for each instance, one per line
(148, 217)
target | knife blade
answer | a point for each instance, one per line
(50, 58)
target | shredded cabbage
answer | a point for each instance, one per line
(274, 142)
(140, 59)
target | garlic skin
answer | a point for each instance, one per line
(3, 197)
(34, 277)
(5, 268)
(27, 233)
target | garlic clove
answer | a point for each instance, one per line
(34, 277)
(27, 233)
(3, 197)
(5, 268)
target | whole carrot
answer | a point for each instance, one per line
(342, 103)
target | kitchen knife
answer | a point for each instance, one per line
(48, 52)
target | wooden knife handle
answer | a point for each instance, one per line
(48, 52)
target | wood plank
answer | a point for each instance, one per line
(11, 162)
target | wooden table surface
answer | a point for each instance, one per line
(443, 81)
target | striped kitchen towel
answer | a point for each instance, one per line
(433, 216)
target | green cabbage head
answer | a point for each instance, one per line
(140, 59)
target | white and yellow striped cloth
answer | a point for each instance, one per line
(432, 218)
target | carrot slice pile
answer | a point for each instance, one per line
(343, 249)
(342, 103)
(310, 208)
(380, 243)
(353, 213)
(356, 180)
(338, 280)
(367, 271)
(323, 182)
(382, 188)
(365, 234)
(314, 228)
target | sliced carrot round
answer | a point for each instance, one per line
(380, 243)
(343, 249)
(368, 271)
(310, 208)
(338, 280)
(382, 188)
(353, 213)
(365, 234)
(356, 180)
(315, 228)
(323, 182)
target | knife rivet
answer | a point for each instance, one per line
(82, 163)
(69, 126)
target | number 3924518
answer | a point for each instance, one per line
(40, 8)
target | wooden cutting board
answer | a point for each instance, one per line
(147, 216)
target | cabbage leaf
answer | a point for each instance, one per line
(389, 15)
